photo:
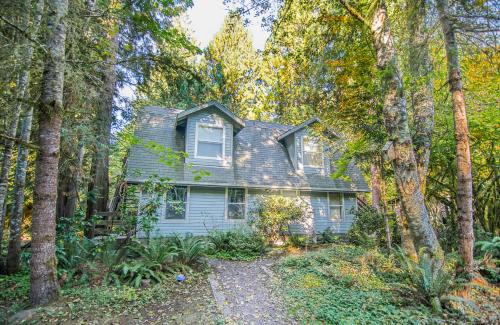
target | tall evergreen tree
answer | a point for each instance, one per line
(232, 66)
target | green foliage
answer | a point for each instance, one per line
(273, 215)
(158, 252)
(328, 236)
(297, 240)
(188, 249)
(237, 244)
(427, 278)
(367, 229)
(139, 272)
(347, 284)
(14, 290)
(490, 247)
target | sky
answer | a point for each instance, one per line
(205, 19)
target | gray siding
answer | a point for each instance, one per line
(206, 212)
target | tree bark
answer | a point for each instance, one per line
(44, 285)
(464, 165)
(13, 264)
(67, 198)
(99, 185)
(25, 54)
(406, 240)
(377, 201)
(421, 88)
(400, 146)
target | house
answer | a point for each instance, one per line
(245, 159)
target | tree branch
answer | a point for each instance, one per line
(354, 12)
(18, 141)
(23, 32)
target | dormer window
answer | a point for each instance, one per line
(312, 152)
(209, 141)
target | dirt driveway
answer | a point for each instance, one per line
(246, 292)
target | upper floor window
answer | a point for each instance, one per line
(236, 203)
(210, 141)
(312, 152)
(176, 202)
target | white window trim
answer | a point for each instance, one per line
(215, 126)
(322, 166)
(226, 205)
(341, 205)
(186, 215)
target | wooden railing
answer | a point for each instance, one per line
(106, 222)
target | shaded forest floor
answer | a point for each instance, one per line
(334, 284)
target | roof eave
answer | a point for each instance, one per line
(182, 116)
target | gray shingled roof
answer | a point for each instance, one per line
(260, 160)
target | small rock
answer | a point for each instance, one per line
(22, 316)
(145, 283)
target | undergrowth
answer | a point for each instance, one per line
(349, 285)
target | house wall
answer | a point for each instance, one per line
(207, 206)
(209, 117)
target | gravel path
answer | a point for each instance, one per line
(246, 292)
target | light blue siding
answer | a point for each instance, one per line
(209, 117)
(207, 205)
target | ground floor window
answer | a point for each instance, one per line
(176, 202)
(236, 203)
(335, 206)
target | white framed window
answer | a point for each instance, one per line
(312, 152)
(209, 141)
(176, 204)
(236, 203)
(335, 206)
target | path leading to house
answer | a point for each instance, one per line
(246, 292)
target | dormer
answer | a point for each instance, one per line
(209, 130)
(306, 150)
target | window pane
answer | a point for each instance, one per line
(236, 195)
(313, 159)
(176, 210)
(335, 213)
(335, 199)
(311, 145)
(213, 150)
(212, 134)
(177, 193)
(235, 211)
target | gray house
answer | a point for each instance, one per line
(245, 159)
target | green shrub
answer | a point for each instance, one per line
(274, 214)
(490, 247)
(328, 236)
(237, 244)
(158, 251)
(188, 250)
(297, 240)
(136, 271)
(427, 278)
(368, 228)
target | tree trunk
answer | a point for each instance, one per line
(377, 201)
(70, 179)
(99, 185)
(406, 240)
(13, 264)
(44, 286)
(421, 89)
(464, 166)
(25, 54)
(400, 146)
